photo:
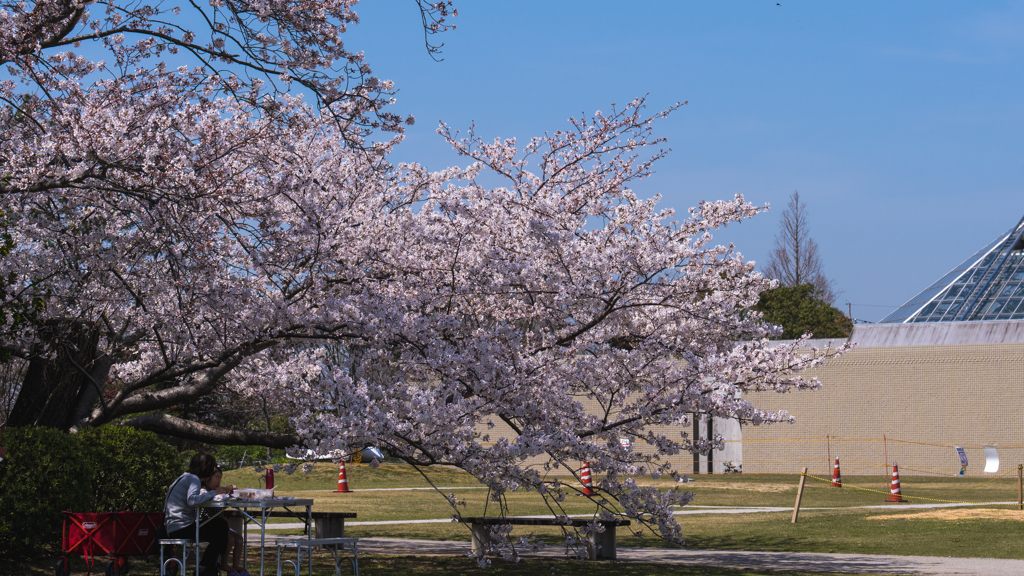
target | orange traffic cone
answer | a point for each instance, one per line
(342, 480)
(895, 494)
(586, 481)
(837, 478)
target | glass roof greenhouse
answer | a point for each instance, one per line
(986, 286)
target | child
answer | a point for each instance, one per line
(234, 548)
(180, 515)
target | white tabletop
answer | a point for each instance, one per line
(271, 503)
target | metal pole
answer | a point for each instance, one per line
(1020, 486)
(888, 478)
(196, 549)
(263, 534)
(711, 437)
(696, 437)
(799, 494)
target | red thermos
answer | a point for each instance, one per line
(270, 478)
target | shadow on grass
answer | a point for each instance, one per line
(381, 565)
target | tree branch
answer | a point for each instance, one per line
(189, 430)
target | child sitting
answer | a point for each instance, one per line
(234, 548)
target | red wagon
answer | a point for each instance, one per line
(114, 534)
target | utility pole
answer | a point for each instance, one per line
(849, 311)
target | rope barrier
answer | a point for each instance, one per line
(847, 486)
(848, 439)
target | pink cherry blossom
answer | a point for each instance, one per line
(209, 202)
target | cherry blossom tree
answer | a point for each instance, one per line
(520, 307)
(175, 229)
(135, 137)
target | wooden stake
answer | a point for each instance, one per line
(1020, 486)
(799, 494)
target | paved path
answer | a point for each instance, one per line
(805, 561)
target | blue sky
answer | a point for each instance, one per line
(901, 124)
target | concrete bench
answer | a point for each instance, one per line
(600, 546)
(305, 547)
(326, 524)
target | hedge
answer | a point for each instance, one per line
(105, 469)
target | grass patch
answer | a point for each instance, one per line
(829, 520)
(324, 478)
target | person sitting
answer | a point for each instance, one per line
(233, 552)
(180, 515)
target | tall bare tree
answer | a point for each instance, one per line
(795, 260)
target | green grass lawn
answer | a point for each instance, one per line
(839, 528)
(324, 477)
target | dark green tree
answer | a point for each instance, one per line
(801, 309)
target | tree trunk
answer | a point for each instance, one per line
(92, 391)
(61, 388)
(56, 385)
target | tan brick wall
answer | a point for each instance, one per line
(924, 399)
(683, 462)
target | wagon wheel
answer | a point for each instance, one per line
(117, 567)
(63, 566)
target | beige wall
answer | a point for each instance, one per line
(924, 399)
(730, 429)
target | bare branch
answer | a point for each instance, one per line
(795, 260)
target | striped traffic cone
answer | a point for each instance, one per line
(586, 481)
(837, 479)
(895, 495)
(342, 480)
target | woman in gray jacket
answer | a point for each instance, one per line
(180, 514)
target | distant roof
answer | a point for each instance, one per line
(938, 334)
(986, 286)
(925, 334)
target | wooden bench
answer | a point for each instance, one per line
(326, 524)
(333, 545)
(600, 545)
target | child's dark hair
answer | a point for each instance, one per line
(203, 465)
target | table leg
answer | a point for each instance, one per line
(197, 542)
(481, 535)
(355, 560)
(309, 535)
(245, 541)
(263, 536)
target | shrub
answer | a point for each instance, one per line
(105, 469)
(43, 474)
(131, 468)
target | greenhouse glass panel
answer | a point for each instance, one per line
(987, 286)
